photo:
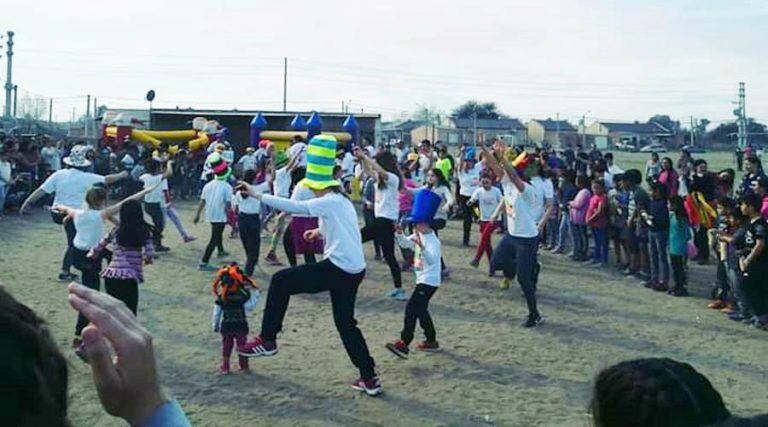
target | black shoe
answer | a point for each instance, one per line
(534, 320)
(161, 248)
(67, 277)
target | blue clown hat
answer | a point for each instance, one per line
(425, 205)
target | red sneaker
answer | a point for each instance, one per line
(258, 347)
(399, 348)
(371, 387)
(430, 346)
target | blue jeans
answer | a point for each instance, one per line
(564, 231)
(552, 231)
(600, 234)
(659, 260)
(518, 256)
(580, 244)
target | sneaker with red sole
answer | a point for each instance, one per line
(258, 347)
(271, 259)
(428, 346)
(399, 348)
(717, 304)
(371, 387)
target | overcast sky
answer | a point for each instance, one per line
(619, 60)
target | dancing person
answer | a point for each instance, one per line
(469, 180)
(249, 219)
(437, 183)
(233, 291)
(516, 254)
(368, 198)
(216, 200)
(281, 170)
(427, 249)
(293, 240)
(340, 273)
(679, 236)
(488, 199)
(597, 221)
(405, 202)
(386, 209)
(70, 186)
(154, 201)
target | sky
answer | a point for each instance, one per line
(607, 60)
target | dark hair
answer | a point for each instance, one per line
(755, 160)
(132, 232)
(698, 162)
(671, 163)
(655, 392)
(152, 166)
(297, 175)
(582, 181)
(440, 178)
(752, 200)
(388, 162)
(634, 176)
(599, 182)
(677, 206)
(661, 188)
(569, 175)
(32, 370)
(608, 156)
(249, 176)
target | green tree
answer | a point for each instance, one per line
(484, 110)
(727, 132)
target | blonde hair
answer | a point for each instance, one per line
(96, 197)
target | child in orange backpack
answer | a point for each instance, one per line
(235, 294)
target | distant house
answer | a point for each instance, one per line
(399, 131)
(446, 134)
(511, 130)
(555, 133)
(611, 134)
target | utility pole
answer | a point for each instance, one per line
(693, 133)
(15, 99)
(557, 133)
(93, 122)
(285, 83)
(9, 75)
(50, 111)
(86, 124)
(741, 114)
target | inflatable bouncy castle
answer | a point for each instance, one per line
(117, 128)
(303, 128)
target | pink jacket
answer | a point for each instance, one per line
(579, 207)
(669, 180)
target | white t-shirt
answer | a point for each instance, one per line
(5, 172)
(446, 194)
(250, 204)
(52, 157)
(425, 164)
(216, 195)
(371, 151)
(544, 191)
(282, 182)
(469, 180)
(520, 207)
(156, 195)
(89, 227)
(338, 225)
(347, 165)
(70, 186)
(488, 200)
(426, 262)
(248, 161)
(386, 204)
(301, 194)
(298, 149)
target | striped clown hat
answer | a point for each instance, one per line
(321, 158)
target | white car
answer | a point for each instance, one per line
(654, 148)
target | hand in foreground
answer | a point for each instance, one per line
(128, 386)
(311, 235)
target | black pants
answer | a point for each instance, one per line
(437, 225)
(755, 289)
(368, 219)
(250, 235)
(678, 271)
(290, 252)
(382, 230)
(701, 241)
(312, 279)
(69, 230)
(158, 221)
(89, 270)
(468, 217)
(216, 242)
(126, 290)
(418, 308)
(518, 256)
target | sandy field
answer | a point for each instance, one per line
(491, 371)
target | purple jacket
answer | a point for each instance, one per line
(579, 207)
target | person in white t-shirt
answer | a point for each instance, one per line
(153, 202)
(438, 184)
(248, 161)
(216, 200)
(469, 181)
(70, 186)
(545, 197)
(341, 271)
(88, 221)
(248, 210)
(386, 209)
(516, 254)
(51, 156)
(488, 199)
(282, 169)
(427, 253)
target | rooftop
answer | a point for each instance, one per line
(636, 127)
(499, 124)
(250, 113)
(550, 125)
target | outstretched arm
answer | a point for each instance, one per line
(112, 210)
(32, 198)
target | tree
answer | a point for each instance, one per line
(484, 110)
(429, 114)
(32, 108)
(727, 132)
(666, 122)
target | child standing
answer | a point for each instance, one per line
(735, 245)
(427, 248)
(754, 261)
(488, 198)
(154, 201)
(216, 199)
(657, 219)
(721, 292)
(233, 299)
(597, 220)
(679, 236)
(578, 208)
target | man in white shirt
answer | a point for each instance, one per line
(516, 254)
(248, 160)
(216, 199)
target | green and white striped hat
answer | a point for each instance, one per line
(321, 158)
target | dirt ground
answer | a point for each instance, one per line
(491, 371)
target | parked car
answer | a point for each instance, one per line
(654, 148)
(693, 149)
(626, 146)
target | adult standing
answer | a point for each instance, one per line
(668, 177)
(704, 182)
(340, 273)
(516, 254)
(753, 172)
(70, 186)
